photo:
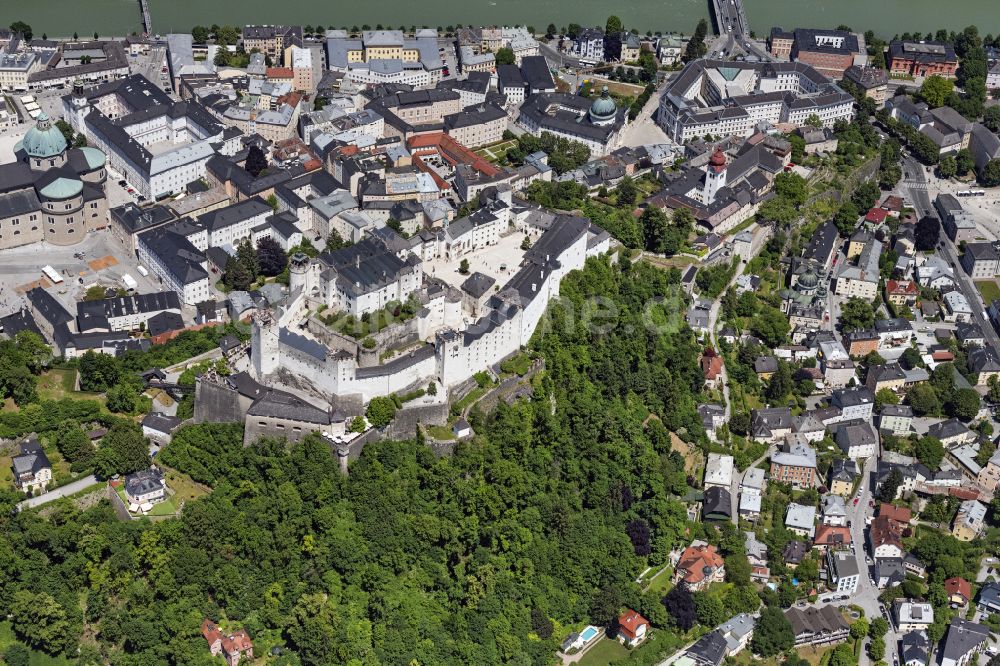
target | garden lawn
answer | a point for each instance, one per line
(58, 383)
(605, 651)
(989, 290)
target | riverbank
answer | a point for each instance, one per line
(121, 17)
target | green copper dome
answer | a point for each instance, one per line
(44, 139)
(95, 158)
(62, 188)
(603, 109)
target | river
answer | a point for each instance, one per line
(120, 17)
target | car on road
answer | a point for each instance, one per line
(856, 499)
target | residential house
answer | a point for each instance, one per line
(709, 650)
(632, 628)
(984, 363)
(959, 592)
(860, 343)
(159, 427)
(857, 440)
(817, 626)
(912, 615)
(989, 474)
(885, 538)
(889, 572)
(756, 552)
(900, 514)
(842, 569)
(951, 432)
(989, 598)
(765, 367)
(753, 479)
(860, 280)
(956, 307)
(750, 503)
(963, 641)
(829, 538)
(717, 504)
(834, 510)
(843, 474)
(699, 566)
(854, 403)
(914, 649)
(893, 332)
(970, 334)
(719, 471)
(794, 553)
(32, 469)
(233, 646)
(801, 519)
(970, 521)
(737, 630)
(895, 419)
(795, 464)
(902, 292)
(145, 488)
(771, 424)
(981, 260)
(712, 418)
(885, 376)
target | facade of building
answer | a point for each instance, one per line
(922, 58)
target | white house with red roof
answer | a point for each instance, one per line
(232, 646)
(632, 628)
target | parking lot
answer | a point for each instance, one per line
(98, 259)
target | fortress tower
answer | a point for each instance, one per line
(264, 351)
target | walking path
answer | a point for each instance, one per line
(58, 493)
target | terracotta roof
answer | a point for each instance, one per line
(885, 530)
(630, 621)
(958, 586)
(210, 631)
(830, 535)
(711, 366)
(893, 203)
(907, 287)
(694, 561)
(897, 513)
(876, 215)
(279, 73)
(238, 641)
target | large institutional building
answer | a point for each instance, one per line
(158, 144)
(731, 98)
(52, 192)
(385, 56)
(597, 124)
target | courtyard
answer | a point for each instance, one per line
(499, 261)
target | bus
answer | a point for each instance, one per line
(52, 274)
(971, 193)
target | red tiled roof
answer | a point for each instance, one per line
(210, 631)
(893, 203)
(876, 215)
(830, 535)
(964, 493)
(279, 73)
(694, 561)
(959, 586)
(906, 287)
(630, 621)
(238, 641)
(885, 530)
(943, 356)
(897, 513)
(711, 366)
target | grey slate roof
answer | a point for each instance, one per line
(282, 405)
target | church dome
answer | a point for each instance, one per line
(808, 280)
(604, 109)
(44, 139)
(718, 158)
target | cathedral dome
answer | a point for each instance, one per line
(44, 139)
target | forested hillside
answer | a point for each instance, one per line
(543, 520)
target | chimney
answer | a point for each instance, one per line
(534, 287)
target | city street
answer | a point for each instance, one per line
(921, 201)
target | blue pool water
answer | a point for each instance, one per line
(588, 633)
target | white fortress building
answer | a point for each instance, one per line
(454, 346)
(725, 98)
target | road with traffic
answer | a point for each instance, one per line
(918, 196)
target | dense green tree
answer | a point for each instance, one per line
(504, 56)
(709, 608)
(964, 404)
(122, 398)
(40, 621)
(935, 90)
(680, 605)
(380, 411)
(923, 399)
(947, 167)
(856, 314)
(990, 175)
(271, 258)
(613, 25)
(771, 326)
(237, 276)
(846, 218)
(23, 29)
(772, 633)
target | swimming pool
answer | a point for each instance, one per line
(588, 634)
